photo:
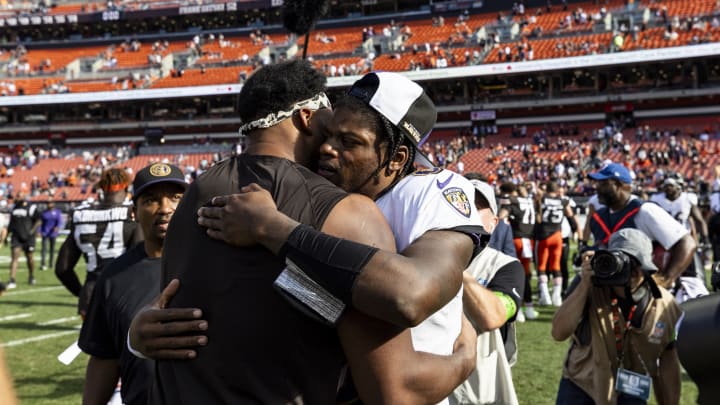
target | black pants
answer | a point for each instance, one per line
(47, 240)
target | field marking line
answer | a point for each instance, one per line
(59, 320)
(37, 338)
(32, 290)
(13, 317)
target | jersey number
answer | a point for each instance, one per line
(111, 244)
(528, 213)
(553, 215)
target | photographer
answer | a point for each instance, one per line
(622, 327)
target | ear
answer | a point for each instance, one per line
(398, 161)
(304, 116)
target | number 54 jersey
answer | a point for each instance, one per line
(102, 233)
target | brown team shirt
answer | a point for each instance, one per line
(260, 350)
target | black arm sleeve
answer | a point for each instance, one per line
(68, 257)
(332, 262)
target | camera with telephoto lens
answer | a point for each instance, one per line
(611, 268)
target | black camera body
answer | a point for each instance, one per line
(611, 268)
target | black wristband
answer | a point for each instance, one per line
(332, 262)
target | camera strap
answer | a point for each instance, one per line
(619, 334)
(653, 286)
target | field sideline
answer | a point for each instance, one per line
(38, 322)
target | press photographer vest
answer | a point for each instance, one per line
(651, 335)
(491, 381)
(604, 223)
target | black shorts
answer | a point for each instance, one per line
(27, 246)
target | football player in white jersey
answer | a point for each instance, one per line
(416, 205)
(681, 206)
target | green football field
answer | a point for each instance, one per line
(38, 322)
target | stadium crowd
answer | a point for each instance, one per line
(85, 168)
(566, 155)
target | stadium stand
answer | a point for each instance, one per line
(405, 42)
(456, 40)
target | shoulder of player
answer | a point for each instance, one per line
(443, 185)
(653, 218)
(546, 199)
(428, 180)
(357, 218)
(691, 198)
(650, 208)
(504, 201)
(296, 176)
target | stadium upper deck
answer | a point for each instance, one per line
(403, 42)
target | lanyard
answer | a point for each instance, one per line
(620, 336)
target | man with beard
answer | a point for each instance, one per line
(623, 210)
(126, 285)
(282, 107)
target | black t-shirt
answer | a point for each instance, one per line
(102, 233)
(22, 217)
(125, 286)
(260, 348)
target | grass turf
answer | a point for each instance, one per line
(47, 312)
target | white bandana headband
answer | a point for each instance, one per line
(315, 103)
